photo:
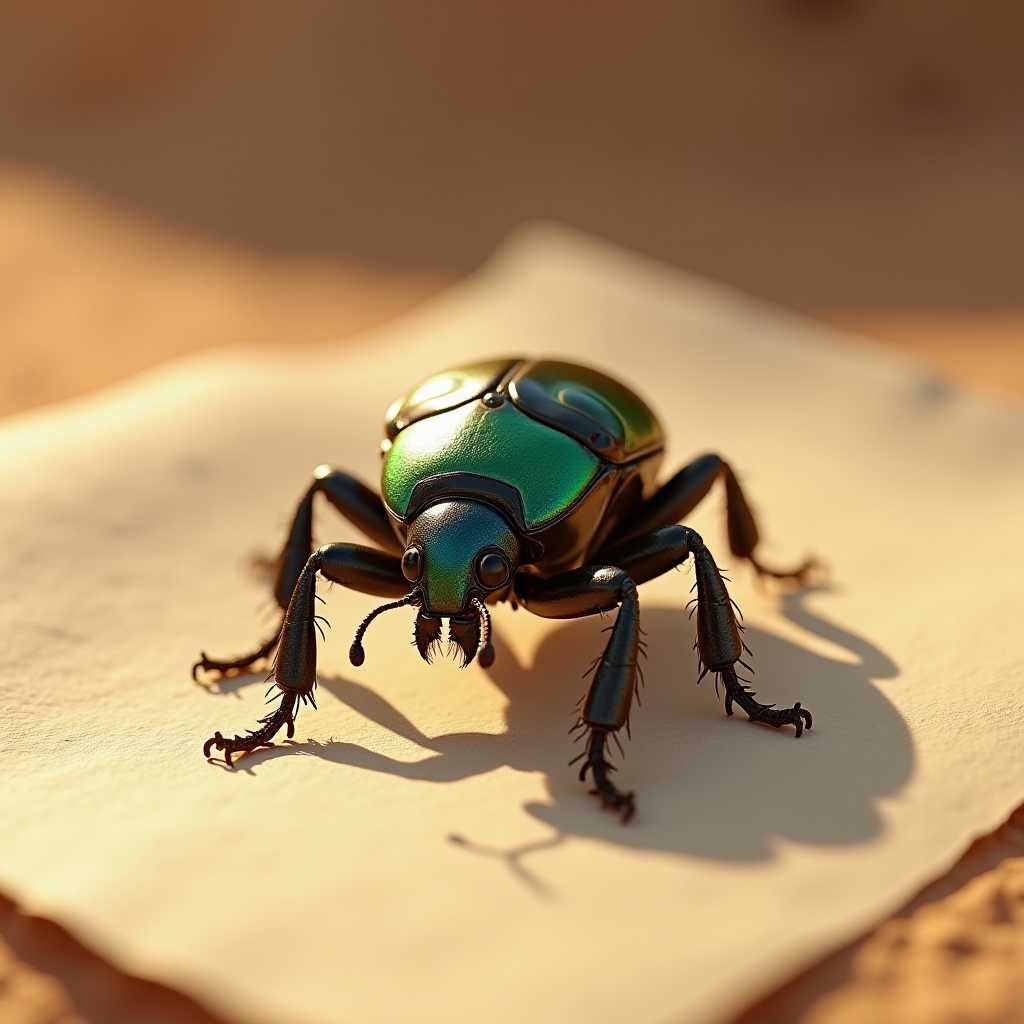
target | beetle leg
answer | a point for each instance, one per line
(606, 707)
(208, 664)
(680, 495)
(357, 503)
(769, 714)
(261, 737)
(359, 568)
(719, 639)
(594, 759)
(720, 645)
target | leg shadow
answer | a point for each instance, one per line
(707, 785)
(727, 789)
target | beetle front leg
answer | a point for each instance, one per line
(261, 737)
(359, 568)
(606, 706)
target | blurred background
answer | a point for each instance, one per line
(176, 174)
(182, 173)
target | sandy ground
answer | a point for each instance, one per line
(174, 176)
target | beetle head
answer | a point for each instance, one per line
(458, 552)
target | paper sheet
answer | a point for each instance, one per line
(421, 851)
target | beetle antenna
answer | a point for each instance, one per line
(356, 654)
(486, 655)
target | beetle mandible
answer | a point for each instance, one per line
(532, 482)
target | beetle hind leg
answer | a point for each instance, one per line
(223, 666)
(680, 495)
(744, 535)
(802, 574)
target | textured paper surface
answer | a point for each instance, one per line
(422, 849)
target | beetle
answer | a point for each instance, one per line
(527, 481)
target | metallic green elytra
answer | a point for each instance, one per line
(560, 451)
(503, 444)
(632, 426)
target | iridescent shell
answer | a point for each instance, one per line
(564, 452)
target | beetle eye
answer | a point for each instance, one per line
(412, 563)
(492, 569)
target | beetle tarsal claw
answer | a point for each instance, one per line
(223, 666)
(261, 737)
(215, 740)
(797, 716)
(595, 762)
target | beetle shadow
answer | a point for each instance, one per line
(707, 785)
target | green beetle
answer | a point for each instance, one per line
(528, 481)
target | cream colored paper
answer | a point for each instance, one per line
(421, 851)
